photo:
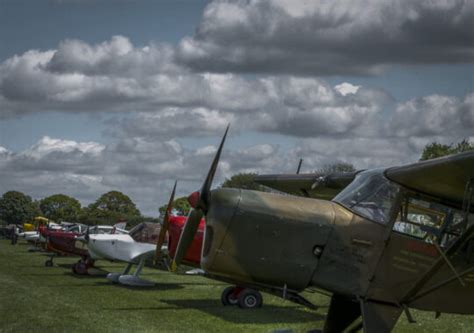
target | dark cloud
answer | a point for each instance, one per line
(328, 37)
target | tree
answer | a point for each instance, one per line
(335, 167)
(60, 207)
(243, 181)
(181, 206)
(16, 207)
(435, 149)
(110, 208)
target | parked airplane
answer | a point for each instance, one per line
(392, 239)
(143, 242)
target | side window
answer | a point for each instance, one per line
(419, 218)
(431, 221)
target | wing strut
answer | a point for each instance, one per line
(436, 266)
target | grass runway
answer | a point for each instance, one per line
(34, 298)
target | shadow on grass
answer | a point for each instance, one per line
(156, 287)
(266, 315)
(85, 276)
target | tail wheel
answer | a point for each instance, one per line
(250, 299)
(48, 263)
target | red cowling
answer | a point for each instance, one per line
(193, 255)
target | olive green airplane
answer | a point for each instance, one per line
(389, 240)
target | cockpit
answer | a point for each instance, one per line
(376, 198)
(370, 195)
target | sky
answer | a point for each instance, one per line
(130, 95)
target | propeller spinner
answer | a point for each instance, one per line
(200, 202)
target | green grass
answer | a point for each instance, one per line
(40, 299)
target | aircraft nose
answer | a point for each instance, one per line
(223, 207)
(253, 233)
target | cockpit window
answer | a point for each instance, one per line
(371, 195)
(146, 232)
(429, 220)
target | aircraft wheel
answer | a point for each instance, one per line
(229, 296)
(250, 299)
(48, 263)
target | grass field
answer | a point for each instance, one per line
(34, 298)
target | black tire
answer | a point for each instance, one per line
(250, 299)
(74, 269)
(226, 297)
(48, 263)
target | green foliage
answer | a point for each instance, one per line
(243, 181)
(60, 207)
(435, 149)
(336, 167)
(110, 208)
(16, 207)
(181, 205)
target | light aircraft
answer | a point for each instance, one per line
(65, 239)
(143, 242)
(392, 239)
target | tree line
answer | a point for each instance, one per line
(111, 207)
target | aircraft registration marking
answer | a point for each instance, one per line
(408, 261)
(422, 248)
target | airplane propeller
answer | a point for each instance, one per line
(200, 202)
(165, 226)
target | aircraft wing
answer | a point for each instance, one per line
(443, 177)
(312, 185)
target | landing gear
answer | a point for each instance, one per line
(114, 277)
(82, 266)
(49, 262)
(245, 298)
(134, 280)
(250, 299)
(230, 296)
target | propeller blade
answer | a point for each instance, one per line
(206, 186)
(165, 226)
(187, 236)
(202, 205)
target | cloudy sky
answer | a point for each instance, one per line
(130, 95)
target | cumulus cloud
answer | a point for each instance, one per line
(328, 37)
(434, 115)
(300, 107)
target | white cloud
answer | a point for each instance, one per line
(346, 88)
(434, 115)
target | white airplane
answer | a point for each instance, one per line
(133, 248)
(143, 242)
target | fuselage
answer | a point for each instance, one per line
(358, 245)
(117, 247)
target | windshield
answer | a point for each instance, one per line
(146, 232)
(371, 195)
